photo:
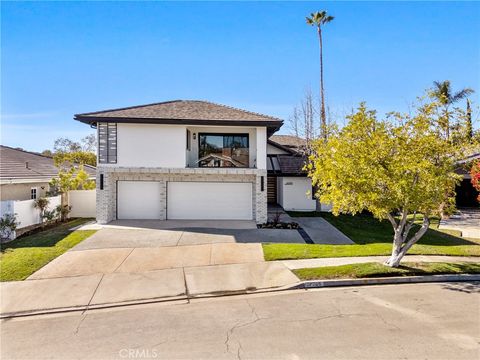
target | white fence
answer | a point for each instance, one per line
(82, 203)
(27, 215)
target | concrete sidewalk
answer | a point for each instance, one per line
(312, 263)
(119, 288)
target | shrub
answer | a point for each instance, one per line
(8, 225)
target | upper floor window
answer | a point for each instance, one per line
(223, 150)
(33, 193)
(107, 143)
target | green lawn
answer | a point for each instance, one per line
(22, 257)
(369, 270)
(372, 237)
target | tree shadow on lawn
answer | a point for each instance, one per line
(364, 229)
(45, 238)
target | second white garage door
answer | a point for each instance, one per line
(209, 201)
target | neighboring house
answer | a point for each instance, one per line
(466, 194)
(288, 184)
(25, 175)
(291, 142)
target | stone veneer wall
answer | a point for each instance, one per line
(107, 198)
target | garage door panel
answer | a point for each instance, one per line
(209, 201)
(139, 200)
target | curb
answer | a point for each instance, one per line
(313, 284)
(304, 285)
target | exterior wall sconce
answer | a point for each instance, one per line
(194, 136)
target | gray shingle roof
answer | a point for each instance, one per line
(290, 141)
(21, 164)
(292, 164)
(181, 111)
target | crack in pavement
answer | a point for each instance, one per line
(239, 325)
(84, 312)
(126, 257)
(84, 315)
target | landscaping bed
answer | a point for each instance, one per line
(23, 256)
(372, 270)
(278, 225)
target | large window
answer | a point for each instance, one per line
(223, 150)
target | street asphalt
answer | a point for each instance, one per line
(415, 321)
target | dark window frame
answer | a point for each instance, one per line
(247, 135)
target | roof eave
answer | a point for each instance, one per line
(271, 124)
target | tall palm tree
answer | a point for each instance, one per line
(469, 129)
(442, 91)
(318, 19)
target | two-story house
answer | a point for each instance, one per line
(181, 160)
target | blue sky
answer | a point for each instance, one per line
(62, 58)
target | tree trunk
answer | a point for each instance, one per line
(401, 244)
(323, 119)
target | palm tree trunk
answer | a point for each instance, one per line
(323, 120)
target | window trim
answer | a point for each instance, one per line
(34, 190)
(200, 134)
(189, 140)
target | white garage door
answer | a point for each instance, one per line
(138, 200)
(209, 201)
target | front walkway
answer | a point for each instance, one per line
(319, 230)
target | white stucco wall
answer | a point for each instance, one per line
(151, 145)
(22, 191)
(261, 147)
(295, 193)
(273, 150)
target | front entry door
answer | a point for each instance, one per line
(271, 189)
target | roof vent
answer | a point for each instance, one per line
(26, 164)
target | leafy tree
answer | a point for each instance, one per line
(391, 168)
(475, 174)
(88, 144)
(74, 178)
(70, 157)
(443, 93)
(74, 158)
(319, 19)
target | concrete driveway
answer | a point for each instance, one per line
(121, 264)
(154, 233)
